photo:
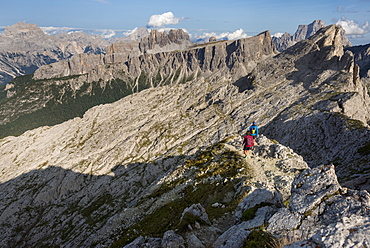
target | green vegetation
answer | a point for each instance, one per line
(352, 124)
(261, 239)
(72, 106)
(365, 150)
(66, 103)
(250, 213)
(216, 161)
(2, 91)
(168, 217)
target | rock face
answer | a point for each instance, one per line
(206, 57)
(25, 47)
(303, 32)
(330, 216)
(164, 167)
(362, 58)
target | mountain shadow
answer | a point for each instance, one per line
(56, 207)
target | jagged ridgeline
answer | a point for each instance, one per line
(61, 91)
(164, 165)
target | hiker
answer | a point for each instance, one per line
(254, 130)
(248, 143)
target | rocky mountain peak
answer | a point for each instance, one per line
(162, 41)
(330, 36)
(23, 30)
(25, 47)
(303, 32)
(139, 34)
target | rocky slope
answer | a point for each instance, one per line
(167, 161)
(25, 47)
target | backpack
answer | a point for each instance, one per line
(253, 130)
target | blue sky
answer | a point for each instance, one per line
(226, 18)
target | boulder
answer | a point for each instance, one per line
(172, 240)
(264, 196)
(195, 212)
(311, 186)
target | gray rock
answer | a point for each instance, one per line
(87, 179)
(196, 211)
(283, 220)
(193, 241)
(172, 240)
(258, 196)
(235, 236)
(352, 231)
(142, 242)
(303, 32)
(311, 186)
(25, 47)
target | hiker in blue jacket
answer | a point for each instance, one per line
(254, 130)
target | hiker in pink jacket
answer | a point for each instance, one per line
(248, 143)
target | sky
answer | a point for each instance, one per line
(224, 19)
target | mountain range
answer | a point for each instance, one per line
(141, 146)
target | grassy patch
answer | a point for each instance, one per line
(365, 150)
(250, 213)
(352, 124)
(217, 162)
(168, 216)
(261, 239)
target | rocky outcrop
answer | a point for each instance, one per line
(303, 32)
(331, 216)
(362, 58)
(305, 126)
(163, 42)
(320, 213)
(206, 58)
(93, 196)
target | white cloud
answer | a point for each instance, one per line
(58, 30)
(105, 33)
(159, 21)
(353, 28)
(238, 34)
(108, 33)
